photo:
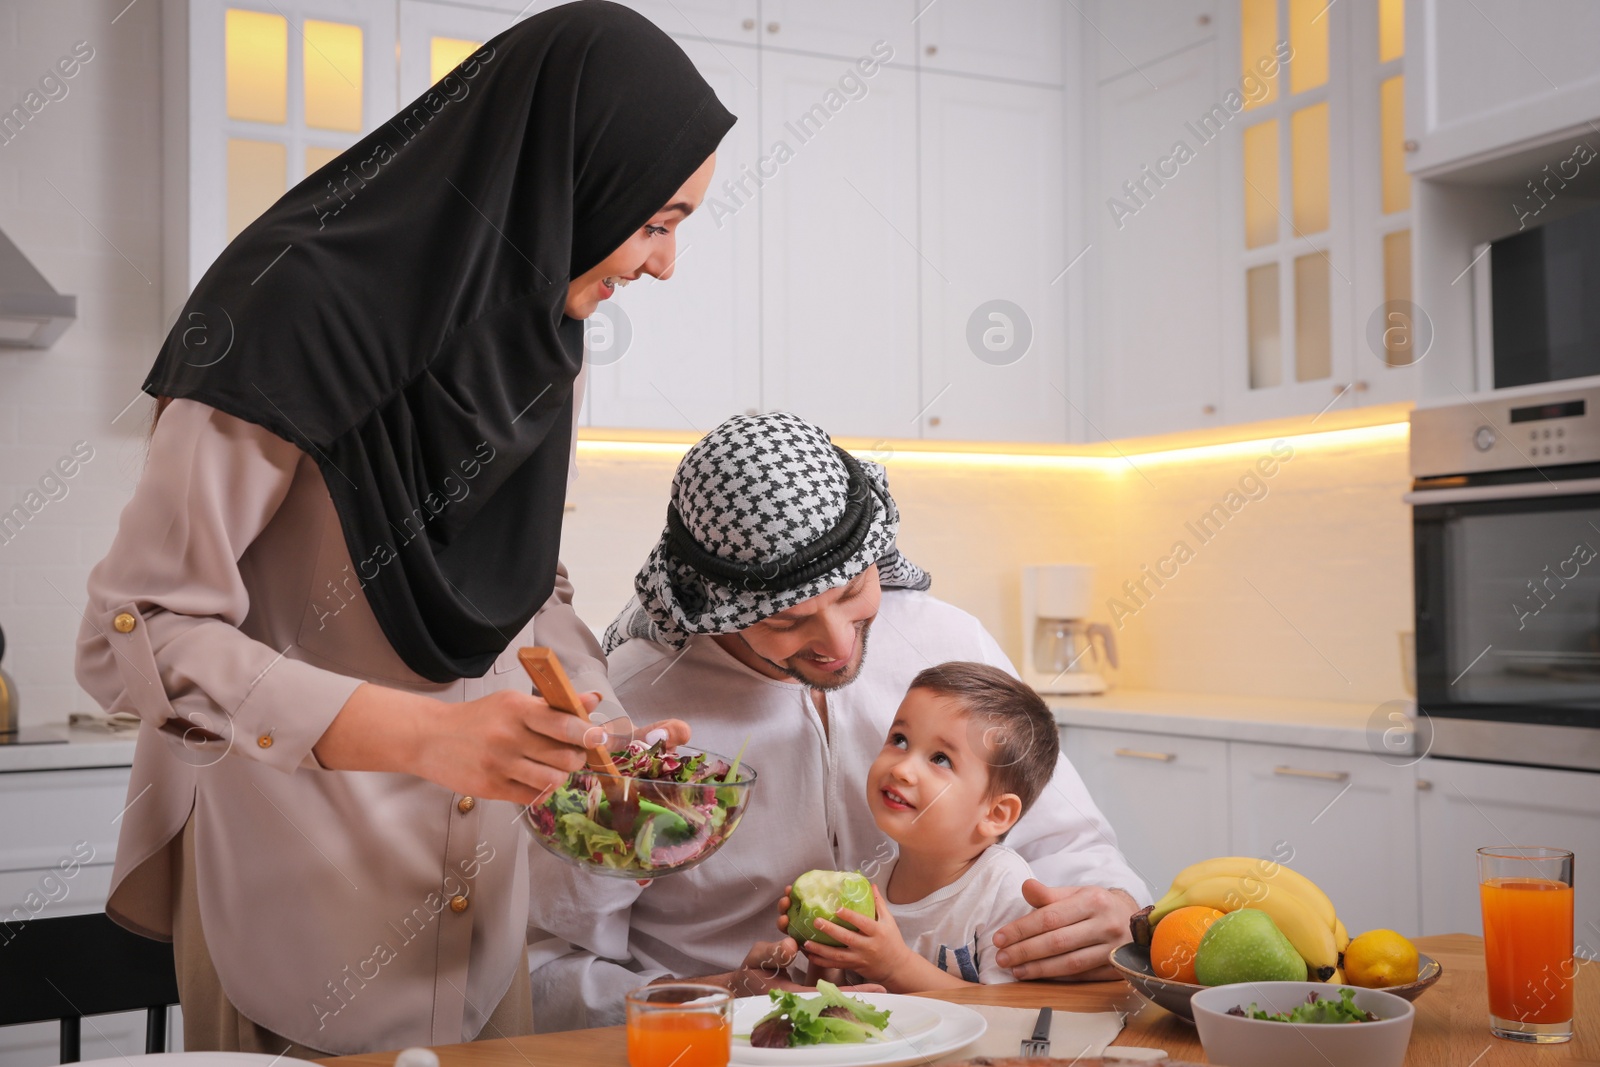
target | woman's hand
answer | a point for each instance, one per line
(508, 745)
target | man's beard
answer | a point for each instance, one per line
(840, 678)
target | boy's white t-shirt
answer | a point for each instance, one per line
(954, 927)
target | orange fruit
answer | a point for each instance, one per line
(1175, 939)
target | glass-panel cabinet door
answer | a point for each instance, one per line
(435, 37)
(1395, 333)
(276, 90)
(1286, 208)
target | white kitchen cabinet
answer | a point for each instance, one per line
(977, 37)
(1500, 75)
(63, 807)
(685, 353)
(1156, 307)
(993, 255)
(839, 237)
(846, 29)
(425, 26)
(1128, 35)
(719, 20)
(1466, 806)
(228, 155)
(56, 860)
(811, 280)
(1166, 797)
(1348, 817)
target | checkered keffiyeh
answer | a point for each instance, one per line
(766, 512)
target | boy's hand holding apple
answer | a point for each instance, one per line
(870, 947)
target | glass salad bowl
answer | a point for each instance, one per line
(663, 812)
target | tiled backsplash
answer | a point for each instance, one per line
(1297, 584)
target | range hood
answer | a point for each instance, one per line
(32, 313)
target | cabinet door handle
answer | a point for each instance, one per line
(1297, 772)
(1159, 757)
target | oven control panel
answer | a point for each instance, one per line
(1506, 433)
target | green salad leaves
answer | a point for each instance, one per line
(829, 1018)
(1314, 1010)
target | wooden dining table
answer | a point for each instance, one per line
(1452, 1027)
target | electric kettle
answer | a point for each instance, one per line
(8, 695)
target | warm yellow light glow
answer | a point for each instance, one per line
(1391, 29)
(1261, 184)
(1264, 325)
(1308, 37)
(1354, 437)
(256, 62)
(1313, 341)
(1398, 340)
(333, 69)
(1309, 165)
(1010, 460)
(673, 450)
(1392, 111)
(318, 157)
(257, 176)
(447, 53)
(1258, 40)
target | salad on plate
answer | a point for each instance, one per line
(829, 1018)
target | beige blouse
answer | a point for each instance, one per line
(349, 911)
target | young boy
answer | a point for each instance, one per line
(969, 751)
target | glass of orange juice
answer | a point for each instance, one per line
(680, 1024)
(1526, 893)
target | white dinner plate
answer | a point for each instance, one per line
(919, 1030)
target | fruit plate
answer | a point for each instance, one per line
(919, 1031)
(1133, 963)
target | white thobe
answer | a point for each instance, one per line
(594, 938)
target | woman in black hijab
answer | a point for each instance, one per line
(348, 524)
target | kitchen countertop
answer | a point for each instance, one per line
(1347, 725)
(79, 748)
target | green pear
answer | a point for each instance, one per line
(1246, 946)
(820, 895)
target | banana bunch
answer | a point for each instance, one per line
(1295, 904)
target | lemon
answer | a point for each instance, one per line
(1380, 958)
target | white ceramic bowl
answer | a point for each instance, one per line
(1240, 1042)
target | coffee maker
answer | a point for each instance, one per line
(1063, 652)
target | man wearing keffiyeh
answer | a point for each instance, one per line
(751, 622)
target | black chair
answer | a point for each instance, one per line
(77, 965)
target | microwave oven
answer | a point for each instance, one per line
(1537, 318)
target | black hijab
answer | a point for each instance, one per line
(399, 314)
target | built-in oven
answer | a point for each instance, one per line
(1506, 523)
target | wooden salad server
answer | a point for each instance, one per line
(551, 680)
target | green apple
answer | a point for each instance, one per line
(820, 895)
